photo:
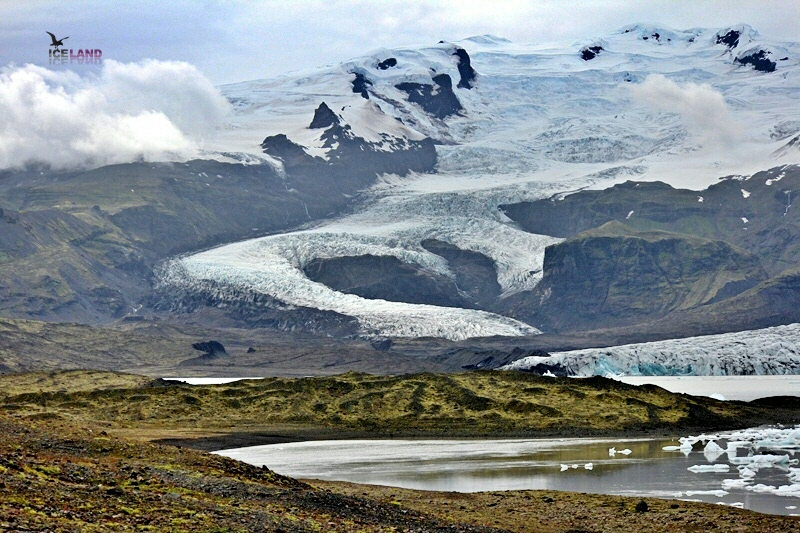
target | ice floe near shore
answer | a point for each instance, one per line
(749, 451)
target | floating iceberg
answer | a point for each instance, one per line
(717, 493)
(709, 468)
(752, 442)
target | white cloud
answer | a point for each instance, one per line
(701, 107)
(152, 110)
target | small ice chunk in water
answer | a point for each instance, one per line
(717, 493)
(761, 461)
(712, 451)
(671, 448)
(588, 466)
(626, 451)
(687, 443)
(709, 468)
(762, 488)
(564, 467)
(791, 507)
(735, 483)
(612, 452)
(788, 490)
(746, 473)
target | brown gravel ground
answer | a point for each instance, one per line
(61, 478)
(544, 511)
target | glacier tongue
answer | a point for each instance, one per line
(767, 351)
(255, 267)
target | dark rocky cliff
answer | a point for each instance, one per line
(349, 157)
(614, 276)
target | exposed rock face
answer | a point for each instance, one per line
(590, 52)
(212, 348)
(387, 278)
(465, 70)
(47, 273)
(384, 278)
(614, 275)
(759, 60)
(382, 345)
(497, 358)
(730, 291)
(283, 148)
(351, 159)
(361, 84)
(323, 118)
(730, 39)
(792, 145)
(475, 274)
(438, 100)
(765, 201)
(94, 262)
(387, 63)
(212, 351)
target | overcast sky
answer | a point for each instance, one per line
(236, 40)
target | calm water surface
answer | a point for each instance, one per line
(582, 465)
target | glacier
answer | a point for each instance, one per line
(769, 351)
(540, 121)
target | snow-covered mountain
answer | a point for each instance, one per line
(511, 123)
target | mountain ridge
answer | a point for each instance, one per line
(426, 158)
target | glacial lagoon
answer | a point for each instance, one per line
(755, 469)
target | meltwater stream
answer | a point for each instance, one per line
(755, 469)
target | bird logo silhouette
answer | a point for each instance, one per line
(56, 42)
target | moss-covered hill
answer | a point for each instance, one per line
(82, 245)
(481, 403)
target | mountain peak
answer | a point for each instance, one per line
(734, 36)
(324, 117)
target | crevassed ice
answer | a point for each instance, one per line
(774, 350)
(260, 270)
(391, 224)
